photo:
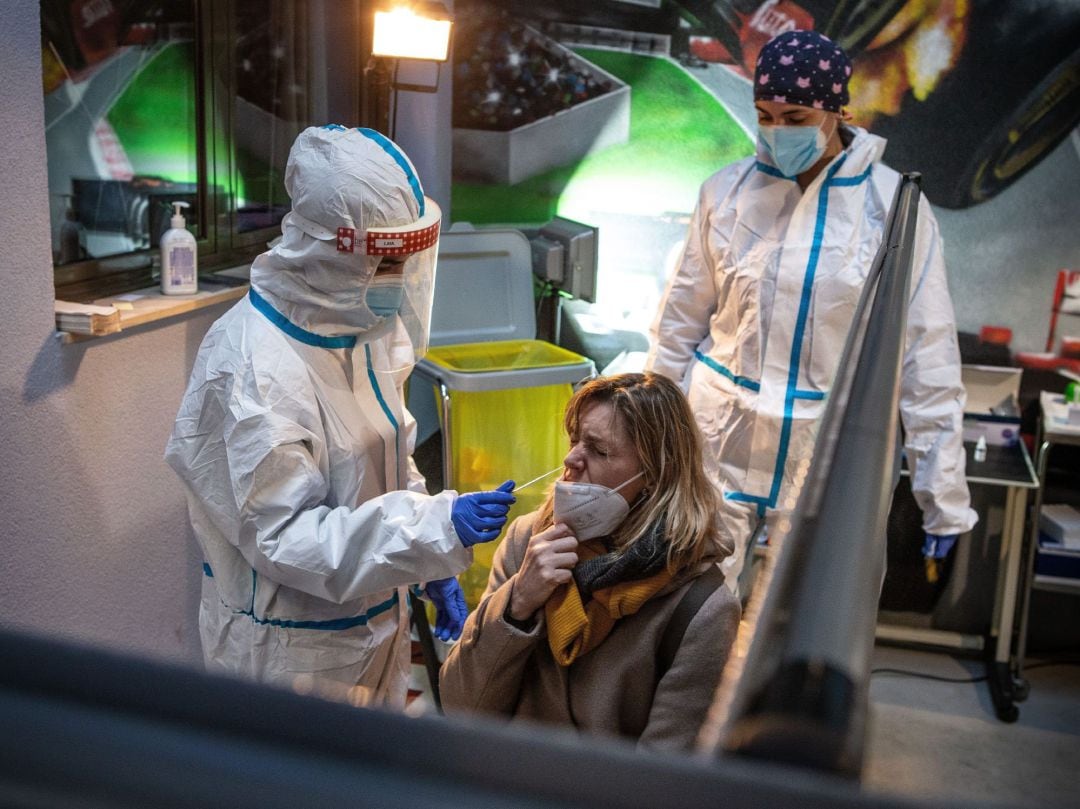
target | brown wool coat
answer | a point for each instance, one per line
(497, 669)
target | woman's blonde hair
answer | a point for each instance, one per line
(656, 416)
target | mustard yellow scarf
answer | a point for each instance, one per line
(575, 628)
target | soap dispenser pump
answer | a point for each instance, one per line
(178, 256)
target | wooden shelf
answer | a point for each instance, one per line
(150, 305)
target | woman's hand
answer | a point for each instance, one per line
(548, 560)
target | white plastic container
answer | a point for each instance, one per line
(179, 275)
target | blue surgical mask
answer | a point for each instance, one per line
(792, 149)
(384, 295)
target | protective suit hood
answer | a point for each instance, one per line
(345, 183)
(863, 147)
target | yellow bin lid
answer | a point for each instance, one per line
(503, 364)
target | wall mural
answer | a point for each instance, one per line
(613, 112)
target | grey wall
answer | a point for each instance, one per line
(1003, 255)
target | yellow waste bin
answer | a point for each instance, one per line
(501, 415)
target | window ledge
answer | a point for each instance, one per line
(149, 305)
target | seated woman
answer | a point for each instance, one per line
(573, 628)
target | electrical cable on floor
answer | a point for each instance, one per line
(1055, 662)
(925, 676)
(984, 678)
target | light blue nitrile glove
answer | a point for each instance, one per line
(450, 609)
(937, 546)
(480, 516)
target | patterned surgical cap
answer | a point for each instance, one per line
(805, 68)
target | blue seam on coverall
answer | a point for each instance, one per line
(793, 392)
(745, 382)
(294, 331)
(742, 497)
(765, 168)
(346, 341)
(856, 180)
(329, 624)
(386, 411)
(800, 331)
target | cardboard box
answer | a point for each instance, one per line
(993, 409)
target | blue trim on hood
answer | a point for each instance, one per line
(294, 331)
(392, 150)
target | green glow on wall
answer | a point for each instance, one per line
(679, 135)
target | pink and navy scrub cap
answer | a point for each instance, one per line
(804, 68)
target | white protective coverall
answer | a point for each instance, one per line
(754, 320)
(295, 448)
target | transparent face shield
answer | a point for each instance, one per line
(402, 288)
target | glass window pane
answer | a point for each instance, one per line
(120, 122)
(271, 105)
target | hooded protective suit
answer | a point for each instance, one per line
(295, 448)
(754, 320)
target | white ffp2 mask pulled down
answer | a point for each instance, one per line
(589, 509)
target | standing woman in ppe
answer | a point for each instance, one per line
(295, 447)
(756, 313)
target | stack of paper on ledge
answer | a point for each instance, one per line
(86, 318)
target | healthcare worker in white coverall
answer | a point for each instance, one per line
(757, 310)
(296, 450)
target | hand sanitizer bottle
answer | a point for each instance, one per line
(178, 257)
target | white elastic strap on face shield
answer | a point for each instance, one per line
(313, 229)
